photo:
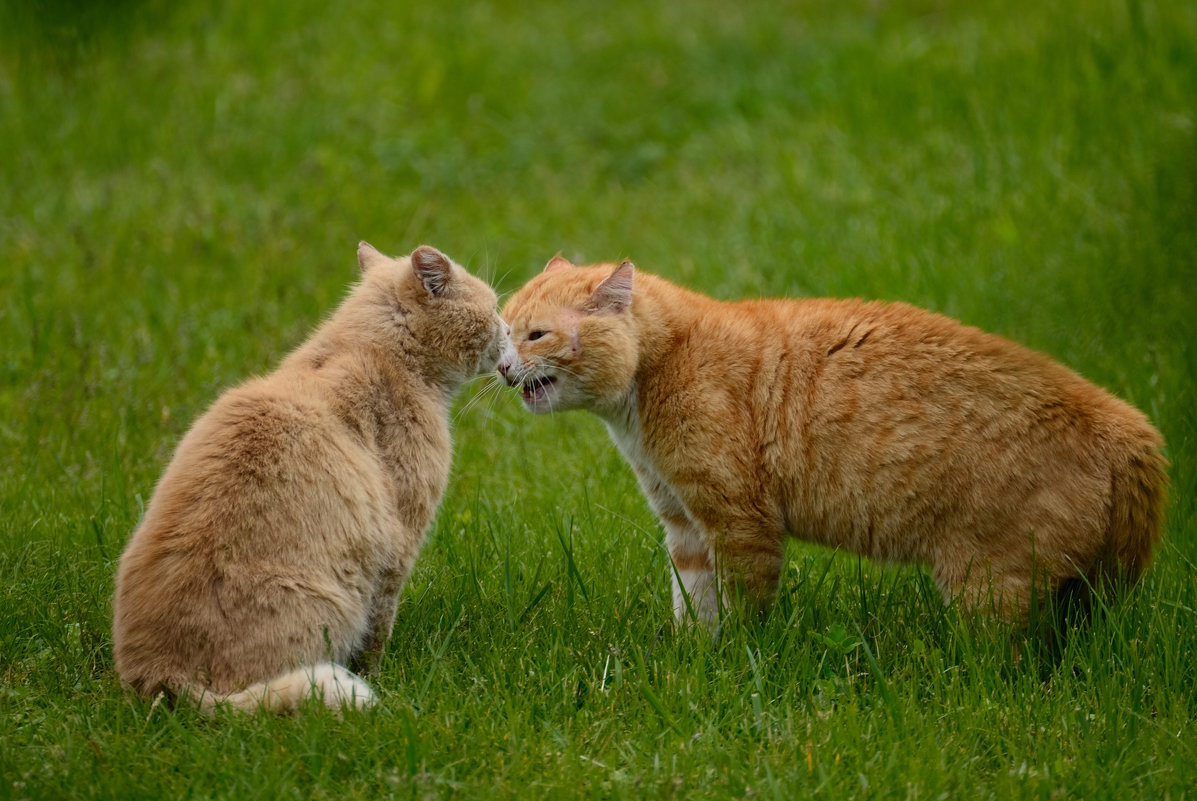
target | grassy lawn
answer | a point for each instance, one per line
(182, 186)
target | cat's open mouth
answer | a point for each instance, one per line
(536, 390)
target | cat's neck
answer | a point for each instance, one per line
(340, 355)
(665, 315)
(622, 413)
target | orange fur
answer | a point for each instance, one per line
(877, 428)
(280, 535)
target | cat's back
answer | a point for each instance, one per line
(265, 461)
(797, 363)
(259, 434)
(893, 352)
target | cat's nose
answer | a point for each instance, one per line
(503, 368)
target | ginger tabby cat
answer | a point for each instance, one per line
(279, 538)
(876, 428)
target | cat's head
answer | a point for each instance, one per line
(573, 341)
(451, 315)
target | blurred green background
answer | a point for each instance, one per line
(182, 186)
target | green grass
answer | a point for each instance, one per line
(181, 189)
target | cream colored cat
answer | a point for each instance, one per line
(877, 428)
(277, 542)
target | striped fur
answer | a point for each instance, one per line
(875, 428)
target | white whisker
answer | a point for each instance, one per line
(499, 281)
(491, 394)
(492, 386)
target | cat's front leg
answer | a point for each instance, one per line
(748, 560)
(695, 590)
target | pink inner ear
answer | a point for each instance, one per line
(432, 267)
(558, 262)
(614, 294)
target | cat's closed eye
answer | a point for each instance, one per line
(535, 335)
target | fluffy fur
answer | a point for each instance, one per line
(278, 540)
(876, 428)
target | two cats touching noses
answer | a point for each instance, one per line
(269, 563)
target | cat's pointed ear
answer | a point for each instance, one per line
(614, 294)
(558, 262)
(368, 257)
(432, 267)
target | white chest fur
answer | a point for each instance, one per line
(628, 435)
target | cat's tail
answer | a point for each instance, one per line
(1139, 487)
(335, 686)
